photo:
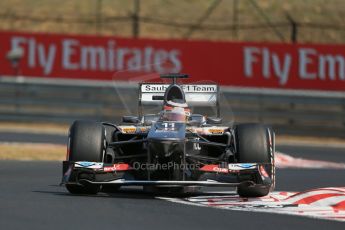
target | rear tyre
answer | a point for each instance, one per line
(86, 143)
(255, 144)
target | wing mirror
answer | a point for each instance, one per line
(214, 120)
(194, 123)
(196, 120)
(149, 119)
(130, 119)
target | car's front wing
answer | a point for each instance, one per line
(230, 175)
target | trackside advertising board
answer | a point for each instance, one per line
(272, 65)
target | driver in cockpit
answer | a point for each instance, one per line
(175, 111)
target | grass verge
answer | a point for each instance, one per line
(33, 127)
(32, 152)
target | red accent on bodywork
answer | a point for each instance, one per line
(117, 167)
(214, 168)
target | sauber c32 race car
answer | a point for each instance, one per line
(174, 150)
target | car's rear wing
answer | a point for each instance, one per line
(195, 94)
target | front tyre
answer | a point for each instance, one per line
(255, 144)
(87, 142)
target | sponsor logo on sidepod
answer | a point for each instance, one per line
(245, 166)
(85, 163)
(88, 164)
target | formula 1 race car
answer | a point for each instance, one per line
(174, 150)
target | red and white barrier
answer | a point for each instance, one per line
(245, 64)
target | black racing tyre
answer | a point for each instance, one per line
(255, 144)
(86, 143)
(253, 190)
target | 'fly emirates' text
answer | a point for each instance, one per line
(108, 57)
(311, 65)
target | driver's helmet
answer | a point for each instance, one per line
(174, 114)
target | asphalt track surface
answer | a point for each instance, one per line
(32, 137)
(30, 198)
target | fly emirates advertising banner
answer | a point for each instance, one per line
(245, 64)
